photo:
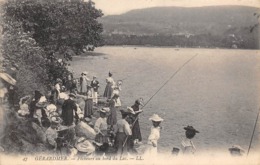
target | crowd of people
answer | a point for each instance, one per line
(76, 101)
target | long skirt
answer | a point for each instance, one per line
(119, 142)
(112, 117)
(88, 108)
(108, 91)
(95, 97)
(136, 131)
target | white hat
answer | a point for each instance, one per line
(105, 110)
(86, 147)
(85, 72)
(156, 118)
(42, 99)
(51, 108)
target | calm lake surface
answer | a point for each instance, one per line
(214, 90)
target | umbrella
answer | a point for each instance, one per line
(8, 78)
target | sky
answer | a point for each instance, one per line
(111, 7)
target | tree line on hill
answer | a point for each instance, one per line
(200, 40)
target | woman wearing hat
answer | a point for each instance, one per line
(187, 144)
(116, 90)
(39, 112)
(154, 135)
(101, 126)
(88, 110)
(122, 132)
(112, 116)
(135, 122)
(109, 87)
(69, 108)
(83, 82)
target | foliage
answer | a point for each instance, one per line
(38, 33)
(58, 25)
(21, 51)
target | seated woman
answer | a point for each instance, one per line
(187, 144)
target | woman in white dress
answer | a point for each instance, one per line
(154, 135)
(109, 87)
(117, 90)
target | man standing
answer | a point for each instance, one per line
(95, 85)
(68, 109)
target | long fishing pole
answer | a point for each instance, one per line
(161, 88)
(253, 133)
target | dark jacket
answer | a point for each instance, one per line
(67, 114)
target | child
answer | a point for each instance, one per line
(154, 135)
(187, 144)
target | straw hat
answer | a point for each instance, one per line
(51, 108)
(190, 128)
(156, 118)
(85, 147)
(85, 73)
(105, 110)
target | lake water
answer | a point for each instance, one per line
(214, 90)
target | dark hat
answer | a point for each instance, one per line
(110, 74)
(190, 128)
(175, 150)
(37, 95)
(139, 101)
(72, 95)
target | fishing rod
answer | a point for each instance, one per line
(253, 133)
(161, 88)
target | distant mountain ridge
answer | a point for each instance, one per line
(216, 20)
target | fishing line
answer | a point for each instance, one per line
(253, 133)
(161, 88)
(169, 79)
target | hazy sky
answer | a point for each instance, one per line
(121, 6)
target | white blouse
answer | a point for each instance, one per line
(100, 125)
(154, 135)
